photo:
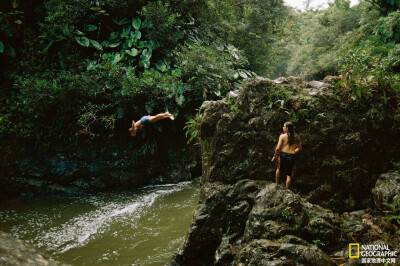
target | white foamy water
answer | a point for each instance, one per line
(68, 226)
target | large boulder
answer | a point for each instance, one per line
(386, 192)
(255, 222)
(244, 219)
(340, 148)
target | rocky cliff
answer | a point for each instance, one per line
(244, 218)
(98, 165)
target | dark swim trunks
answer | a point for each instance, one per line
(145, 120)
(286, 163)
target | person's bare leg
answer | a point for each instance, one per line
(277, 176)
(159, 117)
(288, 181)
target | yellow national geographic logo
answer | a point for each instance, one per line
(351, 254)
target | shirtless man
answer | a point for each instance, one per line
(147, 119)
(288, 145)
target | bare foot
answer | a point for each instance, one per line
(171, 116)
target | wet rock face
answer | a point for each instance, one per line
(341, 149)
(96, 166)
(15, 252)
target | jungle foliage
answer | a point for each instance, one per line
(72, 68)
(79, 68)
(333, 41)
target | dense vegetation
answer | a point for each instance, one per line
(79, 68)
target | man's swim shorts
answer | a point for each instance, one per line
(286, 163)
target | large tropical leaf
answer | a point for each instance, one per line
(96, 45)
(113, 45)
(138, 34)
(136, 22)
(83, 41)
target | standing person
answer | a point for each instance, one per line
(147, 119)
(289, 144)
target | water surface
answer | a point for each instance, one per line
(139, 227)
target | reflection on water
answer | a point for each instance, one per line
(142, 227)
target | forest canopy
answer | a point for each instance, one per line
(76, 66)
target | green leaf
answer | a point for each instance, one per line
(176, 72)
(67, 30)
(132, 52)
(136, 22)
(83, 41)
(105, 56)
(113, 45)
(91, 65)
(114, 35)
(131, 41)
(147, 53)
(96, 45)
(145, 62)
(1, 47)
(105, 43)
(125, 31)
(138, 34)
(78, 32)
(91, 27)
(160, 66)
(48, 46)
(117, 58)
(19, 22)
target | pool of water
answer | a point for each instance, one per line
(139, 227)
